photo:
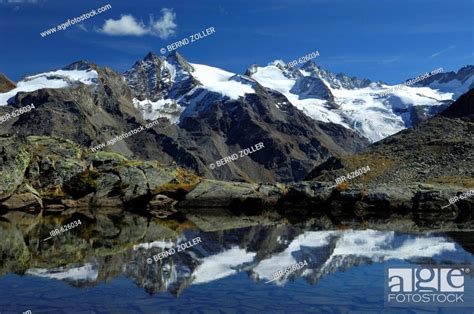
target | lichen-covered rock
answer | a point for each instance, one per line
(104, 160)
(156, 177)
(55, 163)
(133, 183)
(14, 159)
(238, 195)
(106, 185)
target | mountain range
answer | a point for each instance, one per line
(303, 116)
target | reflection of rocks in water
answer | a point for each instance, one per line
(172, 274)
(111, 246)
(13, 250)
(464, 239)
(108, 239)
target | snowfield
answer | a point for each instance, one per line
(366, 110)
(219, 81)
(53, 79)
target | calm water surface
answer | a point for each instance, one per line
(103, 267)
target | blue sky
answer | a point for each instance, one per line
(375, 39)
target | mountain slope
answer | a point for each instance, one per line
(439, 150)
(5, 84)
(225, 113)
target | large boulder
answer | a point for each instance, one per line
(249, 198)
(14, 159)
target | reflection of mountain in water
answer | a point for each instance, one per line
(76, 275)
(325, 251)
(257, 251)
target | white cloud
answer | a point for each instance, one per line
(166, 25)
(82, 27)
(434, 55)
(128, 25)
(390, 60)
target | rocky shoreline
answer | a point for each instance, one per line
(52, 176)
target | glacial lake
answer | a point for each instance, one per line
(108, 267)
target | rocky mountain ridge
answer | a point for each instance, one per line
(101, 106)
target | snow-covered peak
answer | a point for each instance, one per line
(336, 81)
(53, 79)
(220, 81)
(151, 57)
(84, 76)
(308, 94)
(278, 63)
(81, 65)
(252, 69)
(273, 77)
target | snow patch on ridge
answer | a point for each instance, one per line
(53, 79)
(153, 110)
(219, 81)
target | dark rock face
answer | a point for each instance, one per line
(293, 143)
(335, 80)
(312, 87)
(156, 77)
(5, 84)
(92, 113)
(462, 108)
